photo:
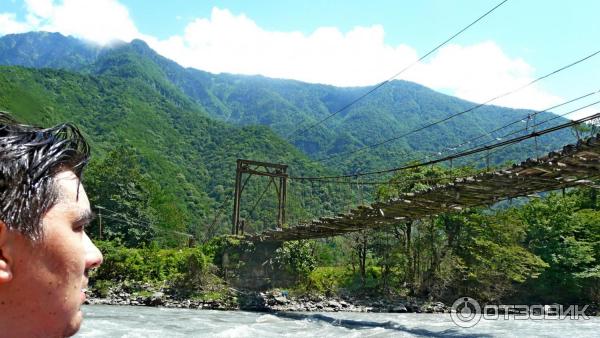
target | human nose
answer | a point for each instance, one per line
(93, 256)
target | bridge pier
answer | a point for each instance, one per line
(251, 267)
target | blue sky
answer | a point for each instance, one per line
(350, 43)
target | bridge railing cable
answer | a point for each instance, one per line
(455, 147)
(535, 125)
(418, 157)
(506, 135)
(464, 153)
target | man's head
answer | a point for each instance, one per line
(44, 251)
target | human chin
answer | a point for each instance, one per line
(74, 325)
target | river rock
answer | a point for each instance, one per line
(413, 307)
(281, 300)
(439, 307)
(156, 299)
(400, 308)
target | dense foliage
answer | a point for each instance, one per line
(544, 250)
(165, 142)
(155, 162)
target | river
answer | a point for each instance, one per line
(130, 322)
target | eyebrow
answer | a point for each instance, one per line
(85, 218)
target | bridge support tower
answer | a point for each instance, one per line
(277, 174)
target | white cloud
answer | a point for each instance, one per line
(231, 43)
(9, 24)
(480, 73)
(40, 8)
(235, 44)
(100, 21)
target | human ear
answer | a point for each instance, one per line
(5, 270)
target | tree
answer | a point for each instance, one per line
(566, 238)
(121, 194)
(295, 258)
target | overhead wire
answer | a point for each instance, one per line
(517, 131)
(464, 153)
(537, 124)
(471, 163)
(473, 148)
(476, 106)
(469, 141)
(381, 84)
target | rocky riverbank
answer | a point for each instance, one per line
(270, 301)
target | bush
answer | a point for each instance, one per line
(150, 264)
(327, 280)
(295, 258)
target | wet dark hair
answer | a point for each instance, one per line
(29, 158)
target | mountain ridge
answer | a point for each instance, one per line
(288, 106)
(189, 126)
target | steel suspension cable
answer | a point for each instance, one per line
(465, 153)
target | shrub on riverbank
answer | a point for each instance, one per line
(327, 280)
(187, 269)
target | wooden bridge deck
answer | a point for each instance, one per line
(576, 164)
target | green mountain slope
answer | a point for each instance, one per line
(287, 105)
(392, 110)
(188, 155)
(47, 50)
(175, 133)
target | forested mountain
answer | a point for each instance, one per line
(47, 50)
(176, 164)
(288, 106)
(165, 140)
(176, 132)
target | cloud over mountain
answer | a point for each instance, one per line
(234, 43)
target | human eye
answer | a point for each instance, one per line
(85, 219)
(79, 227)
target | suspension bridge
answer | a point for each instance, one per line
(576, 164)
